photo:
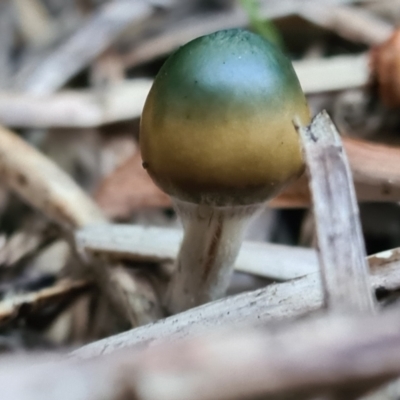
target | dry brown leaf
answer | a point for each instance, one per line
(374, 165)
(128, 189)
(375, 172)
(296, 195)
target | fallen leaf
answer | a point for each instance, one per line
(128, 189)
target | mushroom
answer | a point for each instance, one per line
(217, 135)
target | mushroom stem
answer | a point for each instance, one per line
(211, 243)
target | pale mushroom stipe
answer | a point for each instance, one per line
(217, 135)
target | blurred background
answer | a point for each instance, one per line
(74, 75)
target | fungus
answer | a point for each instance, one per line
(217, 135)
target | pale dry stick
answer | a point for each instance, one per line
(35, 23)
(23, 242)
(294, 4)
(75, 109)
(341, 246)
(277, 302)
(302, 360)
(39, 181)
(352, 23)
(271, 365)
(45, 186)
(158, 245)
(333, 73)
(77, 52)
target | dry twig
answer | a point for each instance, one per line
(74, 109)
(153, 244)
(42, 184)
(324, 355)
(34, 22)
(341, 247)
(354, 24)
(333, 73)
(23, 304)
(273, 303)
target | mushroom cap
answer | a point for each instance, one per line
(217, 125)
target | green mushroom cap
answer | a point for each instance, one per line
(217, 125)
